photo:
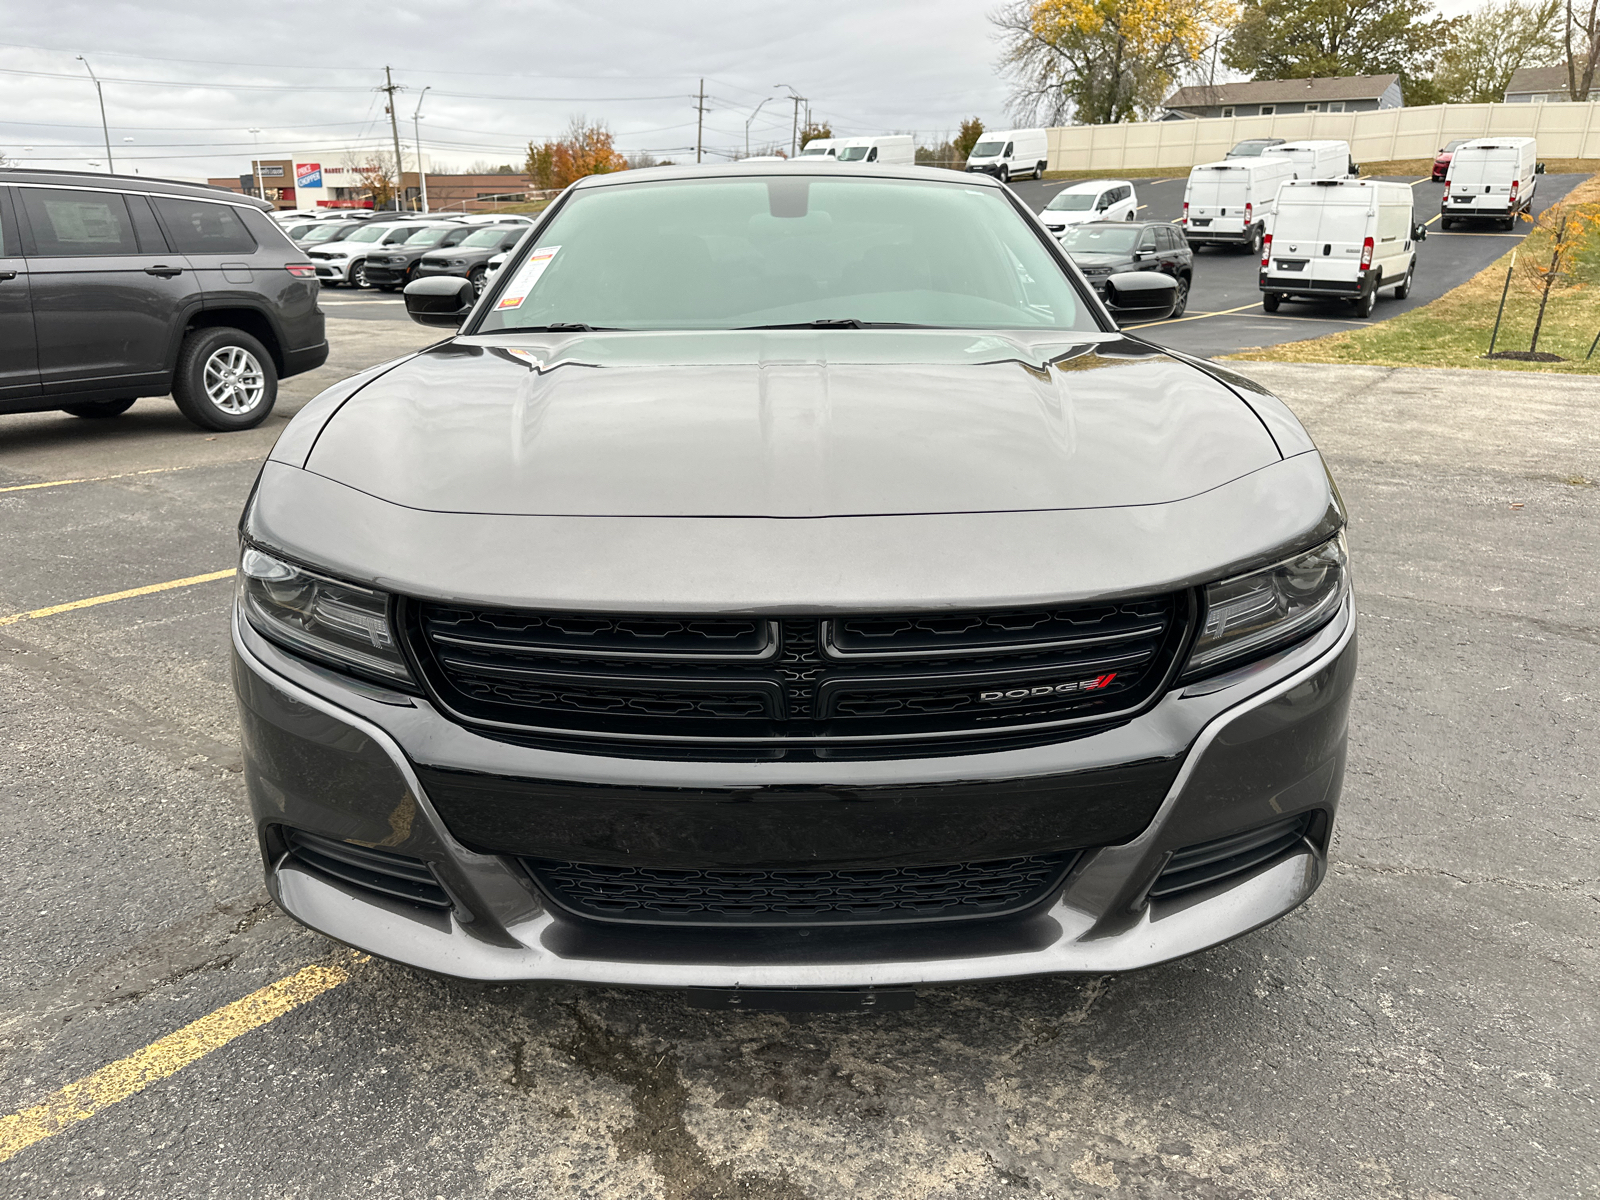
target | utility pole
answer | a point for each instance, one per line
(794, 132)
(391, 87)
(416, 129)
(699, 121)
(104, 128)
(255, 136)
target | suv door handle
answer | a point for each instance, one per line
(163, 271)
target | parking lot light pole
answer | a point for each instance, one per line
(794, 132)
(255, 164)
(104, 128)
(416, 136)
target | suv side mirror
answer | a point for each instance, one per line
(1538, 169)
(1419, 232)
(442, 300)
(1141, 295)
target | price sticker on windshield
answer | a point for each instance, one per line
(522, 286)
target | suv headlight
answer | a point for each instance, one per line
(339, 624)
(1251, 615)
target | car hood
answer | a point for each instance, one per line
(784, 424)
(1089, 258)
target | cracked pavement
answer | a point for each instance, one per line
(1424, 1028)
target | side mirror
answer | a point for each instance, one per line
(1138, 256)
(1538, 169)
(1141, 295)
(1419, 232)
(443, 300)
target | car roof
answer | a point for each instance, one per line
(132, 183)
(819, 166)
(1094, 185)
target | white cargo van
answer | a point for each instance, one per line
(895, 149)
(1227, 203)
(1011, 153)
(1316, 160)
(820, 148)
(1340, 239)
(1490, 177)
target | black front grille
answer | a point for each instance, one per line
(645, 895)
(372, 870)
(840, 682)
(1211, 862)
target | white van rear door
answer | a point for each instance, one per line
(1216, 200)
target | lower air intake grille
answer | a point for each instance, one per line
(644, 895)
(840, 683)
(371, 870)
(1211, 862)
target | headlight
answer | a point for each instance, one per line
(1250, 615)
(335, 623)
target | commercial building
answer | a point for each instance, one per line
(1280, 97)
(309, 182)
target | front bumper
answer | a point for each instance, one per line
(341, 760)
(335, 269)
(383, 276)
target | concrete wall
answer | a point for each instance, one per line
(1563, 131)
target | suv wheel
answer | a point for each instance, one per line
(1183, 296)
(225, 380)
(478, 277)
(98, 408)
(358, 275)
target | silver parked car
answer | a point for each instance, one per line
(788, 584)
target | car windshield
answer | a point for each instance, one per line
(369, 233)
(485, 237)
(1072, 201)
(853, 153)
(428, 237)
(1101, 239)
(987, 149)
(1247, 150)
(812, 151)
(325, 233)
(795, 251)
(1451, 147)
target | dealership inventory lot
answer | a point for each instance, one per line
(1423, 1027)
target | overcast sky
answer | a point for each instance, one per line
(502, 72)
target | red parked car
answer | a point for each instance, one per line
(1441, 161)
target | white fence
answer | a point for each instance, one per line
(1563, 131)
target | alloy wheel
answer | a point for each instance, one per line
(234, 381)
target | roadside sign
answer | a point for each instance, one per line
(308, 175)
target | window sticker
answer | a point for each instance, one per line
(522, 286)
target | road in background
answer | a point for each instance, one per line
(1226, 280)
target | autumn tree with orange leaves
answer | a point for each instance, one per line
(586, 149)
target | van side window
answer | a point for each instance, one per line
(1010, 149)
(78, 224)
(872, 155)
(200, 227)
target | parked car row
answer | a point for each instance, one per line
(386, 255)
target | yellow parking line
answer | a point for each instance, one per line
(1433, 218)
(1424, 179)
(147, 590)
(29, 487)
(166, 1056)
(1198, 316)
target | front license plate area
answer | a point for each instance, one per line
(804, 999)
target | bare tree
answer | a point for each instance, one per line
(1583, 48)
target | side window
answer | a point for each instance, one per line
(1010, 149)
(70, 224)
(9, 246)
(144, 225)
(456, 236)
(399, 234)
(200, 227)
(872, 155)
(1148, 241)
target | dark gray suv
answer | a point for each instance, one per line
(114, 287)
(791, 586)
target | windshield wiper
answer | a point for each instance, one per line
(555, 327)
(838, 323)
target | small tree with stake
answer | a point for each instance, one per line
(1568, 231)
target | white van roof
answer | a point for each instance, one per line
(1344, 191)
(1240, 164)
(1501, 143)
(1094, 185)
(1306, 145)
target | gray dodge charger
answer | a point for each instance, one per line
(785, 583)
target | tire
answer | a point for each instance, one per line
(1183, 297)
(225, 380)
(388, 287)
(1003, 174)
(1038, 172)
(1368, 300)
(95, 409)
(358, 275)
(1255, 242)
(1270, 301)
(1404, 290)
(329, 283)
(479, 278)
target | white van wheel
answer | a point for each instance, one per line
(1404, 290)
(1368, 299)
(1038, 172)
(1003, 174)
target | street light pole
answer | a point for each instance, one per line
(752, 117)
(416, 132)
(255, 164)
(104, 128)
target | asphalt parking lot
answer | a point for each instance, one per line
(1424, 1028)
(1225, 313)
